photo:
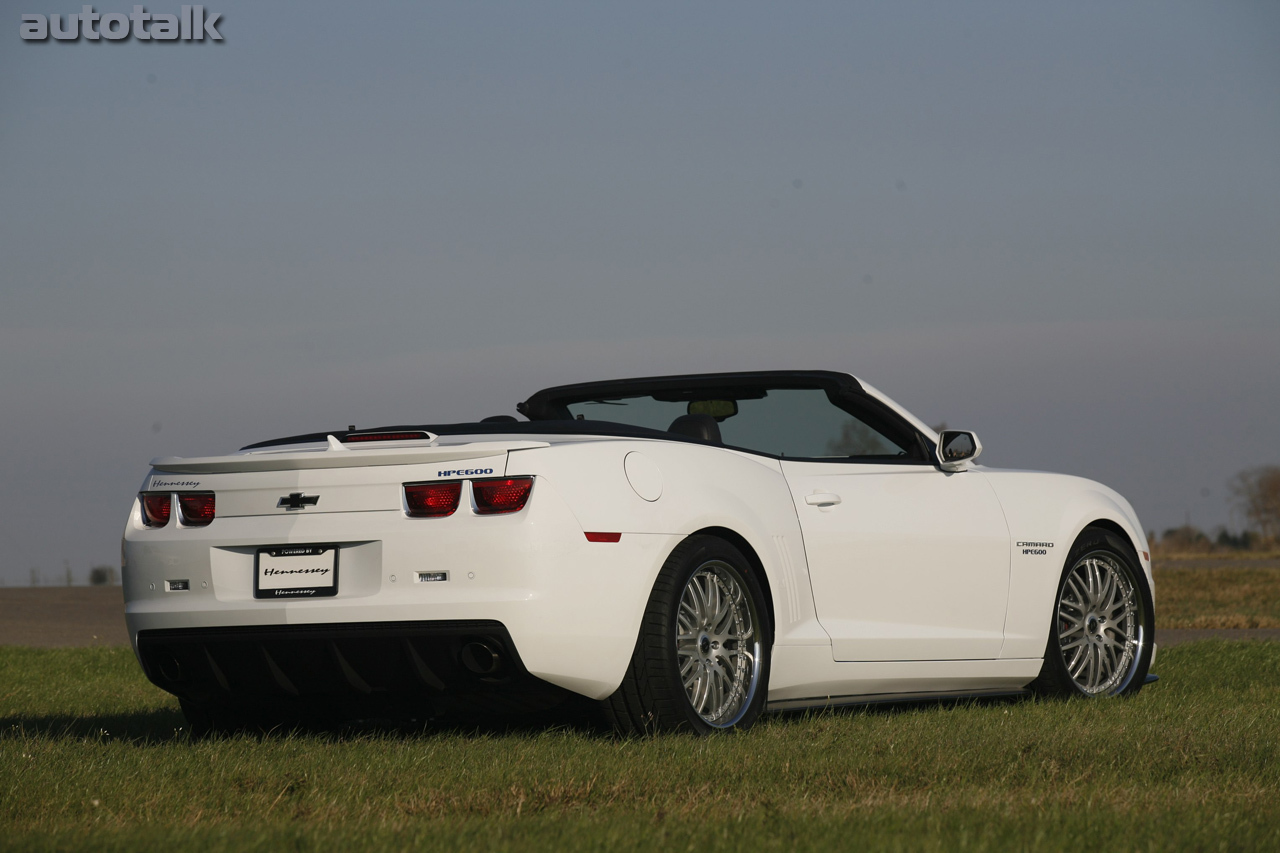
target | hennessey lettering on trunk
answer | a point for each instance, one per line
(464, 472)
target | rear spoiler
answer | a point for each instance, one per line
(335, 455)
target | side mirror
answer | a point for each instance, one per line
(957, 448)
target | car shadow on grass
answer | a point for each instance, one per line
(157, 726)
(163, 726)
(898, 706)
(168, 725)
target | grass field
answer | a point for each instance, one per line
(1216, 592)
(92, 757)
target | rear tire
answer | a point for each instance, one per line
(701, 662)
(1103, 627)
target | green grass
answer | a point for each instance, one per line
(92, 757)
(1217, 593)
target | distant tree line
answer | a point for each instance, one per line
(1191, 538)
(98, 576)
(102, 576)
(1256, 493)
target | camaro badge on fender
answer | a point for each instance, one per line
(297, 500)
(1036, 548)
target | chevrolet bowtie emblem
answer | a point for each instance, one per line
(297, 500)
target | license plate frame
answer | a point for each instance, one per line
(301, 562)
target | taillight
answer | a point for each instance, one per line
(197, 508)
(432, 500)
(498, 496)
(155, 509)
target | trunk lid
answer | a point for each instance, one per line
(337, 455)
(341, 479)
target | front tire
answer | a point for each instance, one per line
(1103, 628)
(701, 662)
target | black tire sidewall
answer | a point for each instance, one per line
(1093, 540)
(692, 555)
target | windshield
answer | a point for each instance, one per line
(795, 422)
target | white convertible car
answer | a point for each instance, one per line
(688, 550)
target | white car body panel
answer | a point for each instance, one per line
(1052, 508)
(921, 586)
(910, 564)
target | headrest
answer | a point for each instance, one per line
(697, 426)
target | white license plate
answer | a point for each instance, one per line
(296, 571)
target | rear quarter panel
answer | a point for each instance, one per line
(701, 487)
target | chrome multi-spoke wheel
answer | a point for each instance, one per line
(717, 645)
(1103, 623)
(701, 662)
(1100, 630)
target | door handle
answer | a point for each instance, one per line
(822, 499)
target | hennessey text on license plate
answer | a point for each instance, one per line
(296, 571)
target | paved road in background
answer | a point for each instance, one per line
(48, 617)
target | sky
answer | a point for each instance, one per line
(1055, 224)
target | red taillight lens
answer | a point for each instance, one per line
(498, 496)
(155, 509)
(432, 500)
(197, 508)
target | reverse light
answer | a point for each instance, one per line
(494, 497)
(155, 509)
(432, 500)
(197, 508)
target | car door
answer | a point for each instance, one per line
(907, 562)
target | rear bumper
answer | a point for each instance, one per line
(571, 607)
(347, 671)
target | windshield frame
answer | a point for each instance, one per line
(843, 391)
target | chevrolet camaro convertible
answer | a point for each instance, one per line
(689, 551)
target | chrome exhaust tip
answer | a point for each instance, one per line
(480, 657)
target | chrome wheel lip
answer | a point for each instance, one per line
(1101, 623)
(718, 644)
